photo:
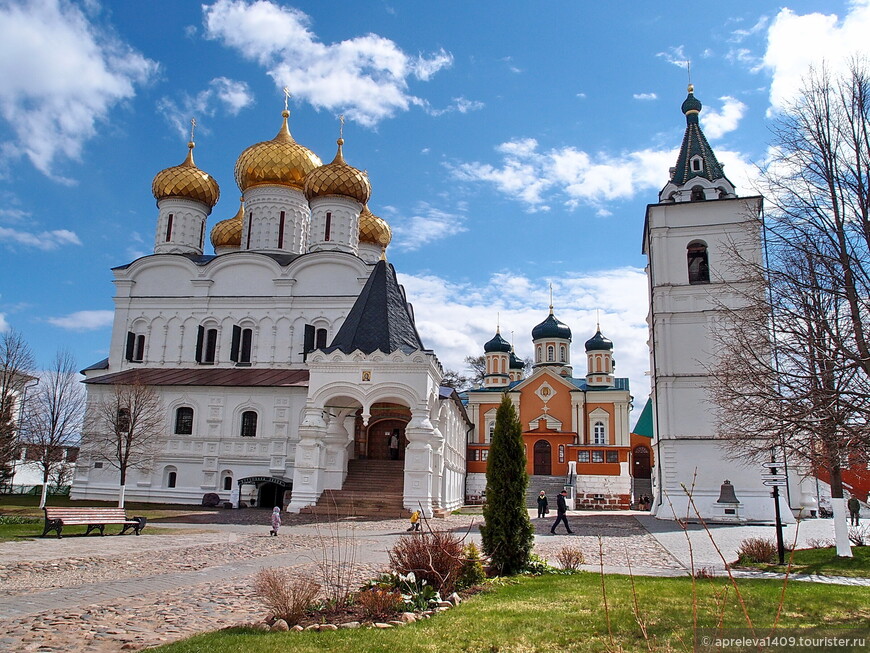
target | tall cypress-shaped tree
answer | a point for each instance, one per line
(507, 534)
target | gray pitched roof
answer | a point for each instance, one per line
(380, 318)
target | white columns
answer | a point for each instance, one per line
(419, 461)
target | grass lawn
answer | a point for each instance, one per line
(565, 613)
(25, 505)
(824, 561)
(34, 527)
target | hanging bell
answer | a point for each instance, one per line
(726, 493)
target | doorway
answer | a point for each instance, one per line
(641, 467)
(270, 495)
(379, 435)
(543, 458)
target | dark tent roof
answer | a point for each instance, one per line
(380, 318)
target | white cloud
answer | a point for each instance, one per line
(231, 95)
(797, 42)
(718, 123)
(62, 74)
(365, 77)
(84, 320)
(459, 105)
(675, 55)
(45, 240)
(427, 225)
(4, 324)
(645, 96)
(456, 319)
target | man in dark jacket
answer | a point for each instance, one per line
(561, 509)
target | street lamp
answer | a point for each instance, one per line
(774, 478)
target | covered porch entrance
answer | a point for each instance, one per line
(269, 491)
(372, 442)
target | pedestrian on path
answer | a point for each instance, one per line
(542, 505)
(394, 445)
(561, 512)
(415, 521)
(276, 521)
(854, 511)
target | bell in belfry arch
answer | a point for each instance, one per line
(726, 493)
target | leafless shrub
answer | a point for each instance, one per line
(819, 543)
(379, 603)
(435, 557)
(336, 559)
(757, 549)
(570, 558)
(284, 593)
(704, 573)
(859, 535)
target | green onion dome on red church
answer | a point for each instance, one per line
(281, 161)
(516, 363)
(551, 328)
(186, 181)
(338, 178)
(599, 343)
(497, 344)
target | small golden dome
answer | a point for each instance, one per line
(186, 181)
(338, 178)
(228, 233)
(280, 161)
(373, 229)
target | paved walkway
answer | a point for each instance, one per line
(158, 588)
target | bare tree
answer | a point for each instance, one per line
(53, 420)
(477, 366)
(124, 428)
(454, 380)
(16, 373)
(794, 372)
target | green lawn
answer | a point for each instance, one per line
(34, 527)
(565, 613)
(824, 561)
(28, 506)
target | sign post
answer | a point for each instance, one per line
(773, 478)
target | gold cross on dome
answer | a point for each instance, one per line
(192, 128)
(341, 125)
(286, 97)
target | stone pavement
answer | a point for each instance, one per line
(102, 594)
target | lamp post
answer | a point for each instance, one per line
(774, 478)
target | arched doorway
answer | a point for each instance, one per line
(373, 441)
(269, 490)
(543, 458)
(270, 495)
(641, 467)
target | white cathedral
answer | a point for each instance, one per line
(286, 361)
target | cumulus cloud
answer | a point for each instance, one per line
(427, 225)
(718, 123)
(797, 42)
(84, 320)
(4, 324)
(645, 96)
(222, 93)
(455, 319)
(675, 55)
(366, 77)
(62, 74)
(44, 240)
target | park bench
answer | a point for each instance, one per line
(93, 518)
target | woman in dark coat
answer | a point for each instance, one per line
(542, 505)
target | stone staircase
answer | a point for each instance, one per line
(372, 488)
(640, 487)
(552, 485)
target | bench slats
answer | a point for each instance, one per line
(92, 517)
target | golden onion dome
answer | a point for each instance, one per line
(338, 178)
(373, 229)
(280, 161)
(228, 233)
(186, 181)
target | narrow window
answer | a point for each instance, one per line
(201, 235)
(169, 228)
(490, 430)
(228, 483)
(131, 346)
(697, 164)
(562, 354)
(171, 478)
(139, 349)
(561, 453)
(249, 424)
(551, 354)
(184, 421)
(320, 339)
(308, 341)
(538, 354)
(281, 232)
(698, 264)
(328, 225)
(250, 222)
(206, 345)
(123, 420)
(245, 353)
(598, 433)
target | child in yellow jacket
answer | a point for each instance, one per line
(415, 521)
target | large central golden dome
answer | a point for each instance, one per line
(373, 229)
(280, 161)
(228, 233)
(338, 178)
(187, 182)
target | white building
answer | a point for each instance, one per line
(687, 238)
(279, 358)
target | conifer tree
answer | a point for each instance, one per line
(507, 534)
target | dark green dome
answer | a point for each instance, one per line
(516, 363)
(598, 343)
(691, 105)
(498, 344)
(551, 328)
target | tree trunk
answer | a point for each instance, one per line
(121, 493)
(838, 504)
(44, 494)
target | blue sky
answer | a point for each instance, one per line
(510, 145)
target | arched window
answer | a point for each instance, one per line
(698, 194)
(698, 264)
(551, 354)
(249, 424)
(240, 348)
(170, 476)
(184, 421)
(697, 164)
(538, 354)
(598, 434)
(228, 482)
(320, 339)
(206, 345)
(135, 350)
(563, 353)
(490, 429)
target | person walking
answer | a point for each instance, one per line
(276, 521)
(542, 505)
(394, 445)
(854, 511)
(415, 521)
(561, 512)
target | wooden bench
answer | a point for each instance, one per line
(93, 518)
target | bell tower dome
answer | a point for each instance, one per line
(497, 353)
